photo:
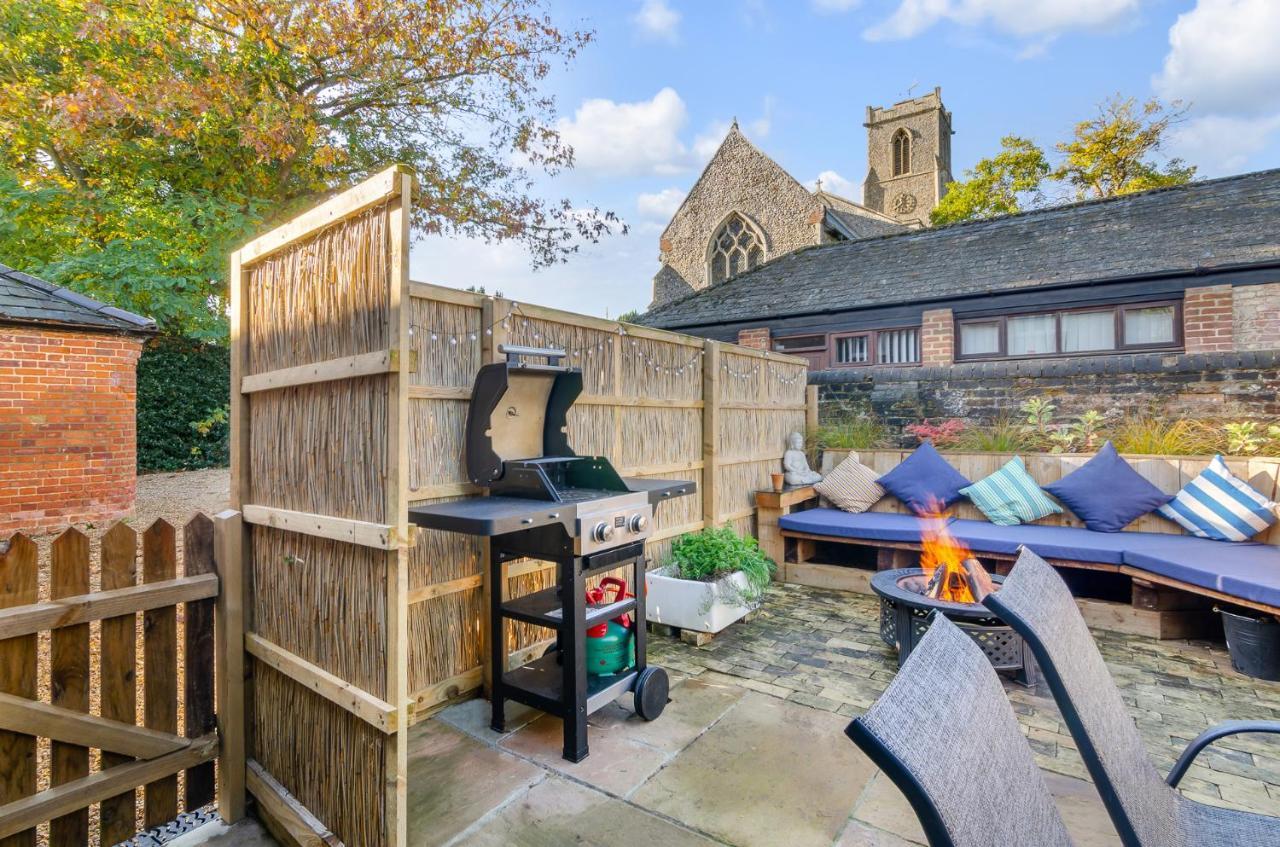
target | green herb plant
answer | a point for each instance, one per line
(712, 554)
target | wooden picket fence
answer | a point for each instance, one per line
(141, 745)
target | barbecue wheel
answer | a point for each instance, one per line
(651, 693)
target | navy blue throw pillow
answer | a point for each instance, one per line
(1106, 493)
(925, 481)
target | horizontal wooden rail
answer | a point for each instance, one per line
(671, 532)
(443, 489)
(368, 707)
(367, 534)
(71, 796)
(652, 470)
(346, 367)
(635, 402)
(281, 809)
(377, 189)
(441, 589)
(438, 392)
(423, 703)
(765, 407)
(442, 294)
(83, 608)
(33, 717)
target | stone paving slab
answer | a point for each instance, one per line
(769, 774)
(810, 637)
(456, 780)
(558, 812)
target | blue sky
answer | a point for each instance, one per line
(647, 103)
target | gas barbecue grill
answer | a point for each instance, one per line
(546, 502)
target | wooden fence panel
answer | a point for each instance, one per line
(198, 690)
(69, 677)
(133, 757)
(19, 585)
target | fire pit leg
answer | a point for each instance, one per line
(1029, 673)
(906, 637)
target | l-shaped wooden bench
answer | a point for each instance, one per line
(1161, 605)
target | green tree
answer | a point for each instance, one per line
(1112, 153)
(141, 139)
(995, 185)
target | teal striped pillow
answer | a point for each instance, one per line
(1010, 496)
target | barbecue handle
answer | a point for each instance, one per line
(517, 350)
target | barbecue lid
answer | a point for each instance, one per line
(518, 411)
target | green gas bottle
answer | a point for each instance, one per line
(609, 645)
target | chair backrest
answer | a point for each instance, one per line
(1036, 602)
(945, 734)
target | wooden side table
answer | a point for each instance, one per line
(772, 505)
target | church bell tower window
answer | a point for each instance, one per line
(735, 248)
(901, 153)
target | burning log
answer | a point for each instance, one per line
(979, 581)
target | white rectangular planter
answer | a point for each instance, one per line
(690, 604)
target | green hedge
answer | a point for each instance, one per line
(183, 396)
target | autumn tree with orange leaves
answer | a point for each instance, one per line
(140, 140)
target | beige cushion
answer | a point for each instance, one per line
(851, 486)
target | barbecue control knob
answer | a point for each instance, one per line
(638, 523)
(602, 532)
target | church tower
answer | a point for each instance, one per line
(908, 158)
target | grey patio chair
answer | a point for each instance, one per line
(945, 734)
(1147, 811)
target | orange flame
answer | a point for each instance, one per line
(940, 549)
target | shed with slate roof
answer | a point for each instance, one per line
(68, 390)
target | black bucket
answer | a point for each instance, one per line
(1254, 644)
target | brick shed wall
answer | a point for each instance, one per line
(1233, 385)
(67, 427)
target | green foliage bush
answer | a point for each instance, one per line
(183, 397)
(711, 554)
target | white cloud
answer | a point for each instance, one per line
(661, 205)
(1219, 145)
(1224, 57)
(708, 142)
(658, 20)
(759, 128)
(1022, 18)
(829, 7)
(838, 185)
(628, 138)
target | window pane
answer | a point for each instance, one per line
(851, 350)
(898, 347)
(1153, 325)
(1083, 331)
(1032, 334)
(799, 342)
(979, 339)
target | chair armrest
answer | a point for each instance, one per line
(1204, 739)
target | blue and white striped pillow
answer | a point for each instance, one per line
(1010, 496)
(1218, 505)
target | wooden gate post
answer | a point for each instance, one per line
(228, 551)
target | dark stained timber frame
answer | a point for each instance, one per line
(1118, 313)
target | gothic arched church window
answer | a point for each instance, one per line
(901, 153)
(735, 248)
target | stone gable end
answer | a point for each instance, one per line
(739, 178)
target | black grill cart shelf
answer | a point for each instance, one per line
(545, 502)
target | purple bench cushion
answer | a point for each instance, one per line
(1243, 569)
(1246, 570)
(864, 526)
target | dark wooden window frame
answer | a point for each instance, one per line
(828, 348)
(1118, 312)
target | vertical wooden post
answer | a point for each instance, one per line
(396, 498)
(198, 649)
(160, 661)
(19, 586)
(810, 409)
(228, 557)
(710, 430)
(239, 418)
(116, 669)
(69, 679)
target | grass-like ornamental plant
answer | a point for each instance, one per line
(711, 554)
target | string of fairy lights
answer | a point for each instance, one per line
(518, 325)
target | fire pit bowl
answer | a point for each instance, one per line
(904, 619)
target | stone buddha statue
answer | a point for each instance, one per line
(795, 465)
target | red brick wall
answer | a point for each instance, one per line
(937, 337)
(1207, 320)
(757, 338)
(67, 427)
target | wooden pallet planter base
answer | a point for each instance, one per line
(693, 636)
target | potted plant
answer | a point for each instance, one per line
(711, 579)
